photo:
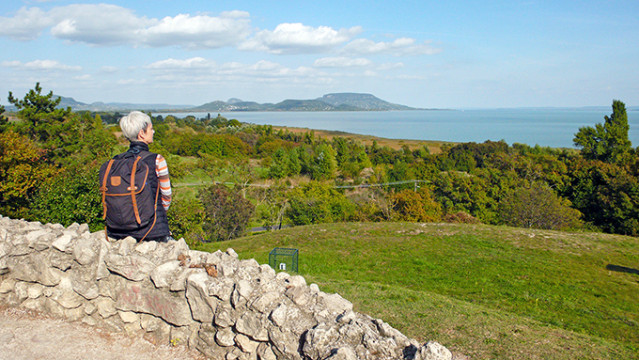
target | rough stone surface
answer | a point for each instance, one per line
(223, 307)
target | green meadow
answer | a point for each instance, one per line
(485, 292)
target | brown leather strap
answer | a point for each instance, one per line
(155, 212)
(104, 189)
(133, 188)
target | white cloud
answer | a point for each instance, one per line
(199, 31)
(100, 24)
(43, 65)
(107, 25)
(25, 25)
(297, 38)
(338, 62)
(401, 46)
(192, 63)
(109, 69)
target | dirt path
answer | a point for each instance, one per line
(26, 335)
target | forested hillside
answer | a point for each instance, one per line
(260, 176)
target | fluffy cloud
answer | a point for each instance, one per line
(44, 65)
(338, 62)
(106, 24)
(176, 64)
(199, 31)
(297, 38)
(25, 25)
(198, 69)
(401, 46)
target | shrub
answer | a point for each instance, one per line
(186, 219)
(227, 212)
(315, 203)
(538, 206)
(461, 217)
(409, 205)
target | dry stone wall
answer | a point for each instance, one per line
(222, 306)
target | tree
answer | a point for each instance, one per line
(40, 113)
(315, 203)
(22, 171)
(71, 197)
(227, 212)
(538, 206)
(413, 206)
(3, 119)
(607, 142)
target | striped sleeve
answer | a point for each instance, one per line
(162, 171)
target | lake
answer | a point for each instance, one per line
(554, 127)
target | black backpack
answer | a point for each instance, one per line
(127, 198)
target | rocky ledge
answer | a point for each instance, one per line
(222, 306)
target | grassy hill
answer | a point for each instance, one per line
(483, 291)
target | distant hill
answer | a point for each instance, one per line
(361, 101)
(101, 106)
(328, 102)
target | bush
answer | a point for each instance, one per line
(73, 197)
(227, 212)
(461, 217)
(315, 203)
(414, 206)
(186, 220)
(537, 206)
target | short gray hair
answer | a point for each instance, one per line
(132, 124)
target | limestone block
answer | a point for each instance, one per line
(226, 269)
(33, 304)
(301, 295)
(285, 344)
(39, 239)
(343, 353)
(434, 351)
(106, 307)
(20, 290)
(205, 343)
(144, 297)
(89, 308)
(7, 285)
(64, 294)
(225, 337)
(133, 267)
(163, 275)
(129, 317)
(4, 266)
(182, 335)
(124, 246)
(222, 288)
(202, 305)
(264, 352)
(179, 283)
(266, 301)
(251, 324)
(61, 261)
(85, 250)
(74, 314)
(225, 316)
(245, 344)
(146, 247)
(35, 268)
(62, 243)
(334, 303)
(241, 293)
(34, 291)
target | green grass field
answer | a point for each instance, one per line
(486, 292)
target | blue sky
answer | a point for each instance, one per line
(433, 54)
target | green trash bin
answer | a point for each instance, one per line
(283, 259)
